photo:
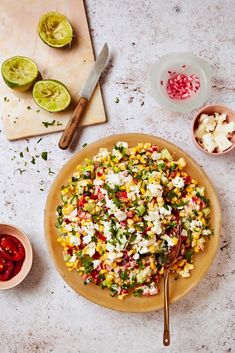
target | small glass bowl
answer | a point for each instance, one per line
(185, 63)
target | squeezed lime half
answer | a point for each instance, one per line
(55, 30)
(19, 72)
(51, 95)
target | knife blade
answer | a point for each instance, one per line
(94, 75)
(85, 95)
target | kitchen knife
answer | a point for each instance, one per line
(85, 95)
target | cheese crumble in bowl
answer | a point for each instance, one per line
(213, 129)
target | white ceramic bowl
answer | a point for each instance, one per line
(175, 62)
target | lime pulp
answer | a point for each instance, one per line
(55, 30)
(19, 72)
(51, 95)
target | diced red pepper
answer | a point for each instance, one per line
(121, 195)
(93, 197)
(102, 237)
(81, 201)
(187, 180)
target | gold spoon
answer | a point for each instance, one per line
(171, 259)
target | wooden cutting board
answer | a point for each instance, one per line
(18, 36)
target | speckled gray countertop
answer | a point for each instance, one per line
(43, 314)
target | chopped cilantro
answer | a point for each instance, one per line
(50, 171)
(117, 100)
(138, 292)
(21, 154)
(33, 160)
(48, 123)
(84, 145)
(21, 171)
(44, 155)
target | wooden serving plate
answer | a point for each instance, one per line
(94, 293)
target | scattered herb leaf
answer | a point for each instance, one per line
(44, 155)
(48, 123)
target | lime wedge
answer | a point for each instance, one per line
(51, 95)
(55, 30)
(19, 73)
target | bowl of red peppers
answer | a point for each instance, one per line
(16, 256)
(180, 82)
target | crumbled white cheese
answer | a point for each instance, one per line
(107, 231)
(156, 155)
(89, 229)
(113, 180)
(213, 132)
(110, 247)
(194, 224)
(116, 153)
(170, 241)
(122, 144)
(208, 142)
(74, 240)
(178, 182)
(150, 290)
(155, 189)
(113, 256)
(98, 182)
(120, 215)
(91, 249)
(151, 216)
(165, 211)
(73, 258)
(136, 256)
(68, 227)
(103, 153)
(96, 263)
(206, 232)
(73, 215)
(156, 227)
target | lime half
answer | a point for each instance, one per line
(51, 95)
(19, 72)
(55, 30)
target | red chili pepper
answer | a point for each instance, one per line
(16, 268)
(6, 267)
(67, 221)
(99, 174)
(11, 248)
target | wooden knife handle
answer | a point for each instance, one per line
(72, 125)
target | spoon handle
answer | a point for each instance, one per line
(166, 334)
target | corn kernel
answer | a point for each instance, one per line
(152, 249)
(103, 271)
(142, 190)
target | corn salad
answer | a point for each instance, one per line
(118, 218)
